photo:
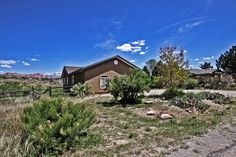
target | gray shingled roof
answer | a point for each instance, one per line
(202, 71)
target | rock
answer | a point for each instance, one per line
(151, 113)
(148, 102)
(166, 116)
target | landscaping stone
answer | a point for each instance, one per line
(150, 113)
(166, 116)
(148, 102)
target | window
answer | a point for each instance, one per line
(73, 79)
(104, 82)
(65, 80)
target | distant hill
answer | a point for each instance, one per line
(32, 76)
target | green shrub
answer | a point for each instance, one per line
(190, 83)
(130, 87)
(80, 90)
(171, 93)
(13, 85)
(55, 126)
(190, 101)
(215, 97)
(158, 82)
(213, 83)
(115, 87)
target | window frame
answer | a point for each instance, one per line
(73, 79)
(102, 78)
(65, 80)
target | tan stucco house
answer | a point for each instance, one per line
(96, 75)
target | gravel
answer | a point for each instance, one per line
(219, 142)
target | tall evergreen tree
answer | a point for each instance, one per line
(206, 65)
(227, 61)
(149, 67)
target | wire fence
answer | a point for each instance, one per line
(35, 93)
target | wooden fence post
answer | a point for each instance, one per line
(50, 91)
(33, 94)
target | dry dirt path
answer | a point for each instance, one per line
(219, 142)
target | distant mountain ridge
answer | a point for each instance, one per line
(55, 75)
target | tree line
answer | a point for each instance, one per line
(173, 64)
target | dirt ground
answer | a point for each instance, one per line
(219, 142)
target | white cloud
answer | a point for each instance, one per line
(200, 62)
(139, 42)
(132, 61)
(5, 66)
(25, 63)
(185, 51)
(206, 58)
(34, 59)
(142, 53)
(196, 59)
(7, 62)
(135, 46)
(212, 57)
(128, 47)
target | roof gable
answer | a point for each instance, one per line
(106, 60)
(69, 69)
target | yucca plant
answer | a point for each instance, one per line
(81, 90)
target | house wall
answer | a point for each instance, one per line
(79, 78)
(94, 83)
(121, 68)
(92, 75)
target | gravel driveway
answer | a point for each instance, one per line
(219, 142)
(224, 92)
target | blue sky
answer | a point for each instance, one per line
(45, 35)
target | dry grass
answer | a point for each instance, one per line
(10, 131)
(129, 132)
(126, 131)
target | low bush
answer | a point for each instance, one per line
(55, 126)
(215, 97)
(80, 90)
(190, 83)
(13, 85)
(213, 83)
(130, 87)
(190, 101)
(171, 93)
